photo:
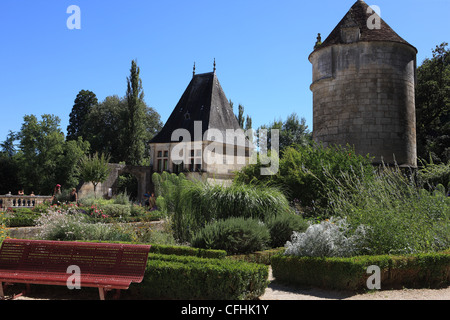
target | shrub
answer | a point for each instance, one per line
(432, 175)
(3, 231)
(137, 211)
(70, 227)
(192, 278)
(192, 204)
(410, 271)
(122, 198)
(330, 238)
(234, 235)
(308, 172)
(281, 228)
(403, 217)
(117, 210)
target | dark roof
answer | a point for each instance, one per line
(203, 100)
(358, 16)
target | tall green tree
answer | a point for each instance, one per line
(83, 104)
(105, 128)
(433, 106)
(9, 179)
(44, 157)
(135, 125)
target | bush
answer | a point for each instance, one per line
(307, 173)
(403, 217)
(234, 235)
(192, 204)
(116, 210)
(71, 227)
(192, 278)
(432, 175)
(410, 271)
(330, 238)
(281, 228)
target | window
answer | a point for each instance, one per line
(195, 160)
(162, 161)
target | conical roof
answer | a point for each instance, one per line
(203, 100)
(357, 16)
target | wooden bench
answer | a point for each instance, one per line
(105, 266)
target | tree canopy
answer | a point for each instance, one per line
(433, 106)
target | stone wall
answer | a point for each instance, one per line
(363, 95)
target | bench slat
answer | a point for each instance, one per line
(103, 265)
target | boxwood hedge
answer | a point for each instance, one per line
(412, 271)
(190, 278)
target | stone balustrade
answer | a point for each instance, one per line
(19, 201)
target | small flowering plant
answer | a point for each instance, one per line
(96, 212)
(3, 230)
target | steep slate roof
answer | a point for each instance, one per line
(203, 100)
(358, 16)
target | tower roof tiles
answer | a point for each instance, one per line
(357, 16)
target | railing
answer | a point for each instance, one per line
(18, 201)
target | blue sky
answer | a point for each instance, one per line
(261, 49)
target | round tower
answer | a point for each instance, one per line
(363, 89)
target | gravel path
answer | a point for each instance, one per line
(280, 292)
(274, 291)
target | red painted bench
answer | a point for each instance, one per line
(105, 266)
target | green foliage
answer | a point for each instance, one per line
(234, 235)
(83, 104)
(433, 106)
(306, 174)
(432, 175)
(187, 251)
(135, 115)
(22, 217)
(293, 131)
(94, 169)
(402, 217)
(192, 204)
(282, 226)
(44, 157)
(410, 271)
(117, 210)
(191, 278)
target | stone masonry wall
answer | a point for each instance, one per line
(363, 95)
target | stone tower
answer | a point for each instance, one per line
(363, 88)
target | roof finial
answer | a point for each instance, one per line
(319, 41)
(214, 65)
(193, 72)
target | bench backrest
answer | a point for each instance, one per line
(124, 260)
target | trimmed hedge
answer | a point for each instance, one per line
(189, 278)
(262, 257)
(412, 271)
(176, 250)
(188, 251)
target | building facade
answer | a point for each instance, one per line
(202, 137)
